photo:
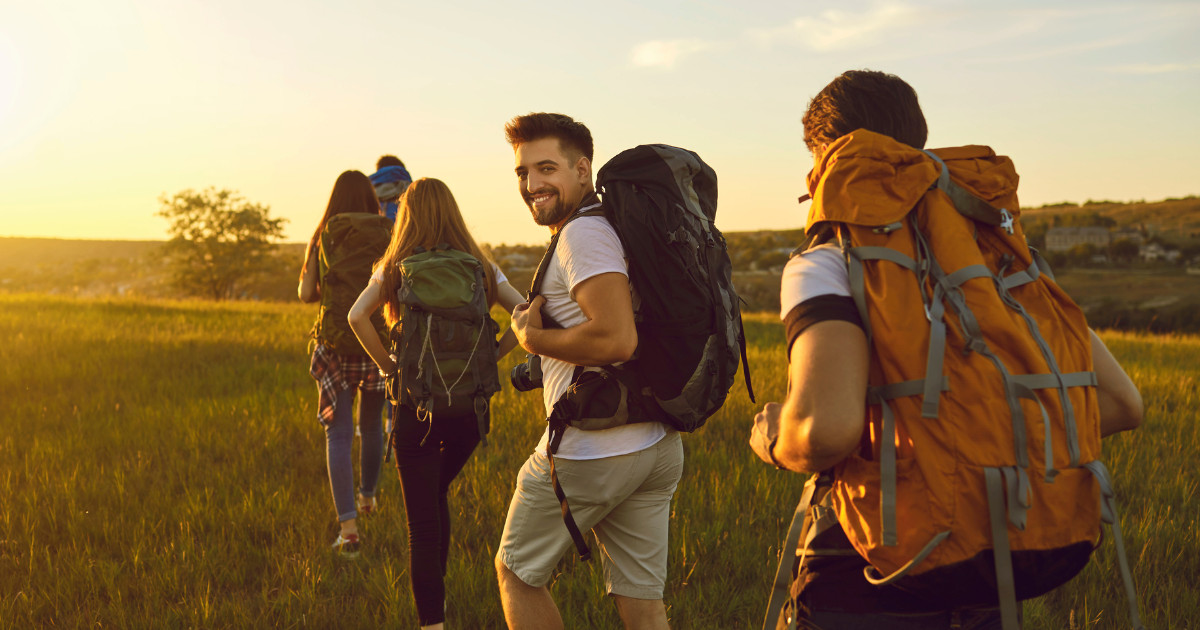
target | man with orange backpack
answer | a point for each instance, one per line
(948, 392)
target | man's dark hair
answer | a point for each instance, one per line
(865, 99)
(388, 160)
(572, 136)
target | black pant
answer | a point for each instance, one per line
(425, 475)
(957, 620)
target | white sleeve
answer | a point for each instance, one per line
(500, 277)
(589, 246)
(818, 271)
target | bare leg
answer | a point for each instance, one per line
(641, 614)
(526, 607)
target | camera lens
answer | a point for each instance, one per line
(528, 375)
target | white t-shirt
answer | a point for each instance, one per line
(587, 247)
(818, 271)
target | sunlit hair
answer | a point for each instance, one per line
(865, 99)
(352, 192)
(388, 160)
(573, 136)
(427, 217)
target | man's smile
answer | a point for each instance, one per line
(540, 199)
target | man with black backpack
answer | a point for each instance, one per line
(947, 390)
(619, 481)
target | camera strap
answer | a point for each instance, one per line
(557, 428)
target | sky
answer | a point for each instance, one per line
(107, 106)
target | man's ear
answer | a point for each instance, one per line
(583, 169)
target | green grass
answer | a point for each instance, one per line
(161, 465)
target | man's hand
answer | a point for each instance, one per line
(527, 318)
(765, 432)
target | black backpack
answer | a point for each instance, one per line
(662, 201)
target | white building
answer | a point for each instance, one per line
(1061, 239)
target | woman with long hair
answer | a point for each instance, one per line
(351, 235)
(428, 216)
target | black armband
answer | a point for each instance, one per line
(818, 309)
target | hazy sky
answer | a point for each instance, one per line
(104, 106)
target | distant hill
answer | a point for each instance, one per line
(1174, 219)
(98, 268)
(23, 253)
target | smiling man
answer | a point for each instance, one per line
(619, 480)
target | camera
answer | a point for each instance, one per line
(528, 375)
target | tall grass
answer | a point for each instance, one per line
(161, 465)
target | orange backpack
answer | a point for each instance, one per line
(978, 481)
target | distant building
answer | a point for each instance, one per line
(517, 260)
(1153, 252)
(1061, 239)
(1128, 234)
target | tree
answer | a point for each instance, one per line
(1083, 253)
(219, 240)
(1123, 251)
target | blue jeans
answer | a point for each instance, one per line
(339, 443)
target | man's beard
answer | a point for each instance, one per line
(551, 216)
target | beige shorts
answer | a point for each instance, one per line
(625, 501)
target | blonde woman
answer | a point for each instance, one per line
(428, 216)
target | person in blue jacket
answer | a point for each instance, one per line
(390, 180)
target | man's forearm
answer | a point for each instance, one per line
(588, 344)
(800, 450)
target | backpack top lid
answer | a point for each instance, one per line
(390, 181)
(349, 224)
(681, 173)
(443, 281)
(869, 179)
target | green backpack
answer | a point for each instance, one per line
(445, 341)
(350, 244)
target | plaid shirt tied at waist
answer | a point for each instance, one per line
(338, 372)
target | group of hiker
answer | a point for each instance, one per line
(946, 395)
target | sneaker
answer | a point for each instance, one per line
(347, 545)
(366, 506)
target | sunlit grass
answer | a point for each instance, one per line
(161, 465)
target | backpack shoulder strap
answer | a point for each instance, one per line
(539, 276)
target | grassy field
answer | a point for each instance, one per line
(161, 465)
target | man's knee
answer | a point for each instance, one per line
(501, 568)
(506, 577)
(641, 613)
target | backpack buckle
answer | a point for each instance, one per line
(1006, 220)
